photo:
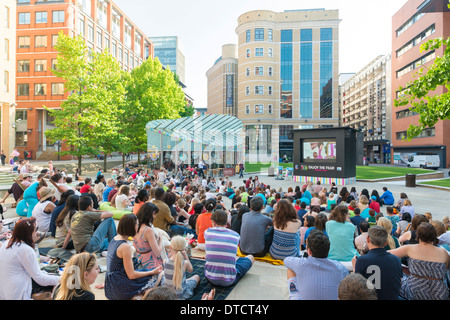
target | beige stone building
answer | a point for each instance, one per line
(222, 83)
(288, 77)
(366, 106)
(7, 74)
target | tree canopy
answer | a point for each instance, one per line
(420, 93)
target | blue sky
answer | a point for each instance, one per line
(203, 26)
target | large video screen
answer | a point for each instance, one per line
(318, 150)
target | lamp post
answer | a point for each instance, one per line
(58, 143)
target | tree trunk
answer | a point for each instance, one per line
(123, 159)
(104, 164)
(79, 164)
(139, 158)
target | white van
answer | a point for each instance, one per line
(425, 162)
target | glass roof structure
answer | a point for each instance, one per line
(217, 139)
(214, 130)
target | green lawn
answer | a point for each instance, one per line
(362, 172)
(374, 172)
(440, 183)
(256, 167)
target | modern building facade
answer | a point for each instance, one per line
(414, 24)
(7, 75)
(104, 27)
(366, 106)
(288, 77)
(169, 53)
(222, 81)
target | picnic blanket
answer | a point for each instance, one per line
(204, 285)
(60, 253)
(267, 258)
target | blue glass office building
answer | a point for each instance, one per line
(288, 77)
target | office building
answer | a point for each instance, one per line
(168, 51)
(366, 106)
(412, 25)
(7, 75)
(288, 77)
(104, 27)
(222, 80)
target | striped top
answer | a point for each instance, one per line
(285, 244)
(221, 249)
(169, 269)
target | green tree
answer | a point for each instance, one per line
(152, 94)
(420, 93)
(88, 116)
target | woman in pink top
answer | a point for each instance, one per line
(148, 247)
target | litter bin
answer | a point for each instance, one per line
(271, 171)
(410, 180)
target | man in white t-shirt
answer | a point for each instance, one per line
(162, 175)
(201, 166)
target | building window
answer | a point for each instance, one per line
(81, 27)
(269, 71)
(270, 109)
(259, 34)
(41, 17)
(259, 52)
(99, 40)
(426, 133)
(40, 89)
(7, 49)
(417, 63)
(54, 40)
(259, 108)
(406, 113)
(247, 91)
(7, 17)
(23, 66)
(259, 71)
(91, 33)
(269, 89)
(40, 41)
(409, 23)
(247, 109)
(247, 36)
(306, 78)
(6, 82)
(248, 53)
(286, 35)
(270, 52)
(23, 89)
(259, 90)
(54, 64)
(326, 34)
(248, 72)
(269, 35)
(24, 42)
(58, 16)
(418, 39)
(21, 138)
(57, 88)
(24, 18)
(326, 77)
(40, 65)
(305, 35)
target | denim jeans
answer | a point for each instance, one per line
(104, 233)
(180, 230)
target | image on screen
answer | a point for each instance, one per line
(316, 150)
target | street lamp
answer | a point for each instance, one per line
(58, 143)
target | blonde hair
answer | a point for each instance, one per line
(363, 200)
(428, 215)
(178, 244)
(386, 224)
(407, 202)
(73, 275)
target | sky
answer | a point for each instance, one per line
(204, 26)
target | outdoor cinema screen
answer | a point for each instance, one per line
(318, 150)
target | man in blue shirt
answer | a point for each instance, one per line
(387, 197)
(382, 269)
(315, 277)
